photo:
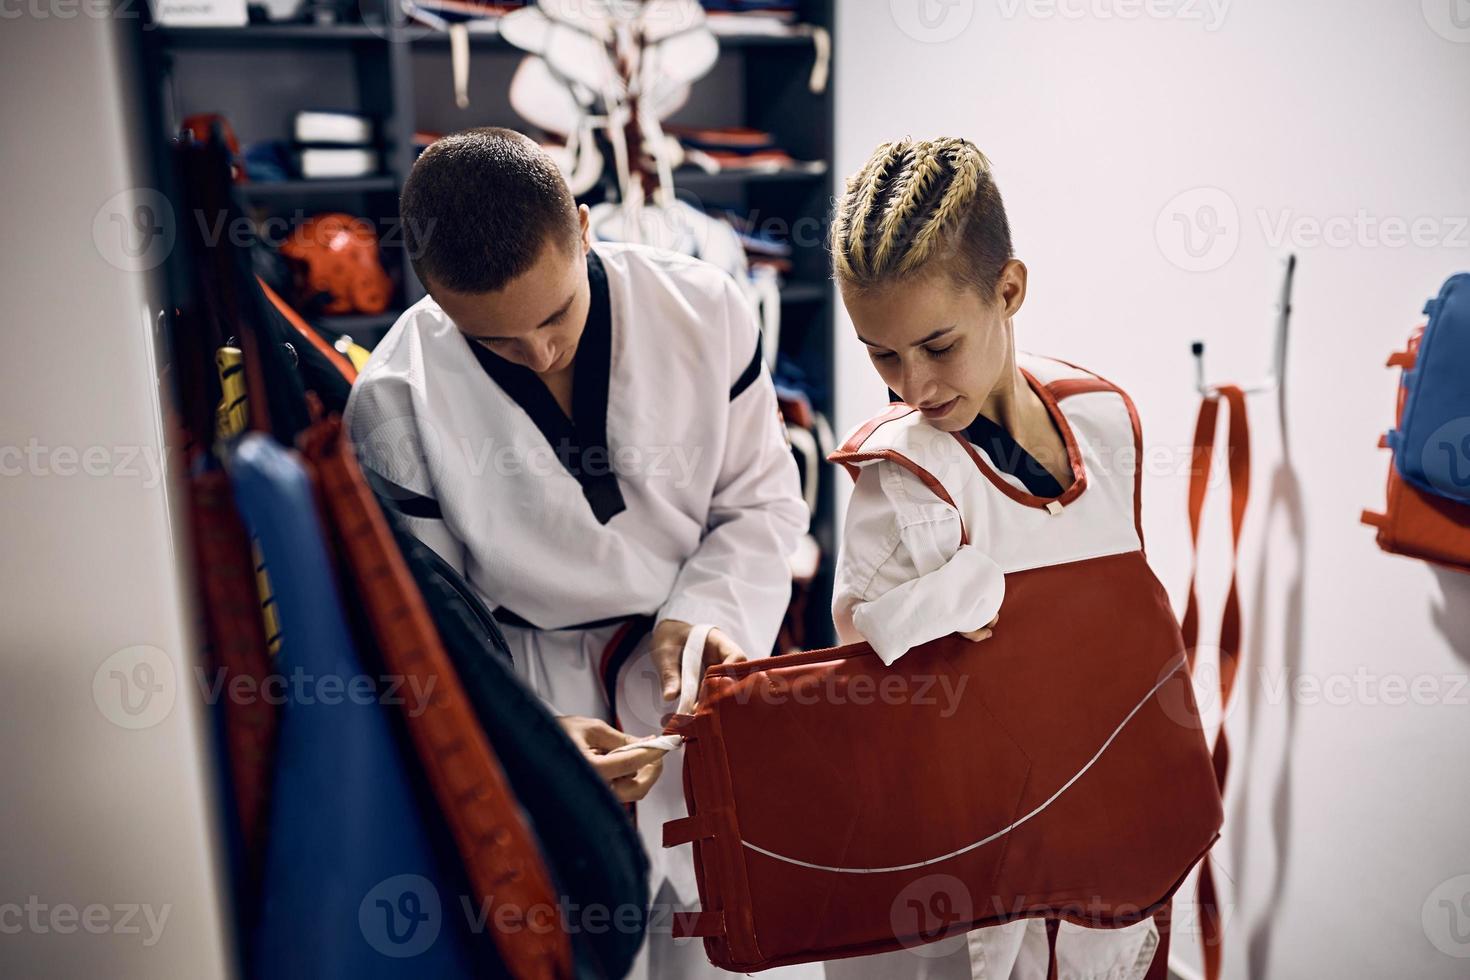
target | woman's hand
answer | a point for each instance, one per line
(667, 648)
(984, 632)
(630, 774)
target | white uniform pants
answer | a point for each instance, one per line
(1013, 951)
(563, 667)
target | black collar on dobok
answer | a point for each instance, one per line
(1009, 456)
(580, 443)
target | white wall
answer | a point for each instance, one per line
(107, 864)
(1347, 806)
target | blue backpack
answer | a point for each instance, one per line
(1431, 446)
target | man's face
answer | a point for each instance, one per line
(537, 319)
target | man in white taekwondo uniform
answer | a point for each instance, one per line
(589, 435)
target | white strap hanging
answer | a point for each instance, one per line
(766, 287)
(822, 64)
(691, 673)
(459, 60)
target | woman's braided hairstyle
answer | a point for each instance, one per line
(920, 204)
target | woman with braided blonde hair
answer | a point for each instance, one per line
(995, 461)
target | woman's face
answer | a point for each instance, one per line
(937, 342)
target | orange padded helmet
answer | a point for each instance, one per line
(340, 255)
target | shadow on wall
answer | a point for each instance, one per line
(1452, 618)
(1281, 552)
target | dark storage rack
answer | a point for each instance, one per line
(258, 76)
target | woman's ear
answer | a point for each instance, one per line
(1010, 286)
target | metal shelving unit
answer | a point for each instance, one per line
(259, 75)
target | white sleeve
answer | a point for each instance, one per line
(739, 578)
(903, 577)
(384, 430)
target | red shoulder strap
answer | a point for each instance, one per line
(850, 450)
(1066, 387)
(1230, 626)
(851, 453)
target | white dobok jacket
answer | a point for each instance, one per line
(671, 493)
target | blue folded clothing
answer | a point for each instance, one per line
(269, 161)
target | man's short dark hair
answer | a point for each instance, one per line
(479, 207)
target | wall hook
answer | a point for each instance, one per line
(1278, 354)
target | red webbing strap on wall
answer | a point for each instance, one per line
(1230, 624)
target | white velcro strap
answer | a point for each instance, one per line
(664, 743)
(692, 667)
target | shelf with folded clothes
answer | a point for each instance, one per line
(734, 176)
(328, 152)
(483, 33)
(738, 31)
(489, 39)
(740, 152)
(307, 186)
(731, 32)
(736, 40)
(265, 35)
(747, 17)
(735, 25)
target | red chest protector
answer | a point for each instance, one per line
(840, 807)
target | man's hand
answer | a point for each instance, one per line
(667, 649)
(984, 632)
(631, 774)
